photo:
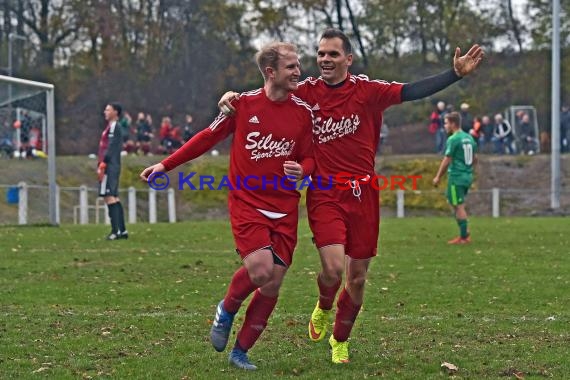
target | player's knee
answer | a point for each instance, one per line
(261, 276)
(332, 273)
(356, 282)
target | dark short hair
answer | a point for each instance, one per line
(117, 107)
(454, 118)
(337, 33)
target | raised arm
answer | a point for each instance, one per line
(462, 66)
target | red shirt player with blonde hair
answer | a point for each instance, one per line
(271, 149)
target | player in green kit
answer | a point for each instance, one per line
(460, 157)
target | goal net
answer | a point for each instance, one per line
(27, 152)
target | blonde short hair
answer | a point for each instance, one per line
(269, 55)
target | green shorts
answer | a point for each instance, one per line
(456, 194)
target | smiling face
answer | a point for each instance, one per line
(279, 64)
(286, 75)
(332, 60)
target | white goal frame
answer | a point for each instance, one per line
(50, 115)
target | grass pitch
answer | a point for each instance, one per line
(77, 306)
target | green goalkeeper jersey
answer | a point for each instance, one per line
(461, 148)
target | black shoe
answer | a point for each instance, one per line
(124, 235)
(113, 236)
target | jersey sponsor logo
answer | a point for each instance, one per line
(265, 146)
(331, 129)
(254, 120)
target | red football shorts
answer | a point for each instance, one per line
(339, 217)
(253, 231)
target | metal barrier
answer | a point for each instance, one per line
(162, 206)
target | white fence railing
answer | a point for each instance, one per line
(85, 212)
(83, 206)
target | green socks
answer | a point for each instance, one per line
(462, 223)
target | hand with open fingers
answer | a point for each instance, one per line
(225, 104)
(101, 168)
(156, 168)
(293, 169)
(466, 64)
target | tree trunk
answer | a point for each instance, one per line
(357, 34)
(339, 14)
(514, 24)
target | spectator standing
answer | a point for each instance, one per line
(527, 135)
(486, 132)
(144, 134)
(503, 135)
(164, 134)
(436, 126)
(25, 126)
(475, 132)
(188, 131)
(175, 139)
(125, 123)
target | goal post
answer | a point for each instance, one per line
(48, 88)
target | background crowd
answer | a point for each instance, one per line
(495, 134)
(142, 137)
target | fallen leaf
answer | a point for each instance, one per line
(41, 369)
(519, 375)
(449, 368)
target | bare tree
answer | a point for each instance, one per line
(514, 25)
(357, 35)
(52, 22)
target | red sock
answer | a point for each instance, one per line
(256, 316)
(345, 316)
(327, 294)
(240, 287)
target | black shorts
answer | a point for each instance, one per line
(109, 186)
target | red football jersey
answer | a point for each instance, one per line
(348, 119)
(266, 134)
